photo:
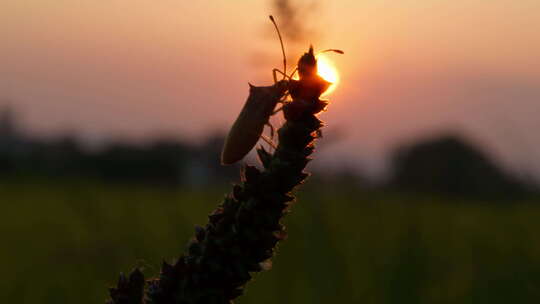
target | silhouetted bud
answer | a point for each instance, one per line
(128, 290)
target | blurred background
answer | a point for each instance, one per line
(425, 186)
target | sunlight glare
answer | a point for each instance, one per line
(328, 72)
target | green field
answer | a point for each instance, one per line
(67, 242)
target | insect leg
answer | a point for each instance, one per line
(269, 141)
(293, 72)
(284, 98)
(281, 101)
(274, 71)
(278, 110)
(272, 130)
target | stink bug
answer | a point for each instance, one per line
(261, 102)
(248, 127)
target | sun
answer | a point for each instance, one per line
(327, 70)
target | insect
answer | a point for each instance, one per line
(262, 100)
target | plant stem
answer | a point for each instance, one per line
(243, 231)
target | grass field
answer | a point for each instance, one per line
(67, 242)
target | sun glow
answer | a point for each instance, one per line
(328, 72)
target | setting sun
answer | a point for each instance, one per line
(328, 71)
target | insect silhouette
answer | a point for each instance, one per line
(262, 101)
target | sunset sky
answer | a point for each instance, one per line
(140, 68)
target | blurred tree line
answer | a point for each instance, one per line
(452, 166)
(166, 161)
(447, 165)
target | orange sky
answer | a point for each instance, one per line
(134, 69)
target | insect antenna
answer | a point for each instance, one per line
(282, 47)
(331, 50)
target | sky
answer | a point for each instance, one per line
(139, 69)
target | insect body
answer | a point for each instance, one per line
(248, 127)
(261, 102)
